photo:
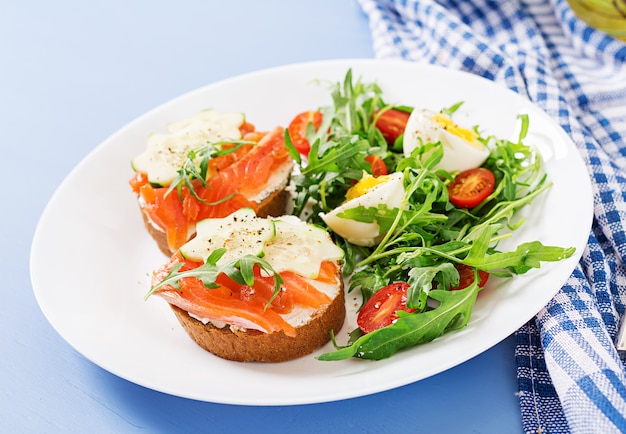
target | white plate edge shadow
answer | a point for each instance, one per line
(338, 381)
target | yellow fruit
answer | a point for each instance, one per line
(608, 16)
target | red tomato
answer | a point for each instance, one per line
(466, 276)
(297, 129)
(379, 167)
(391, 124)
(381, 310)
(471, 187)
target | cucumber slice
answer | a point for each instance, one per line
(287, 243)
(166, 153)
(241, 233)
(300, 247)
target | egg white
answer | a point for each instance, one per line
(389, 193)
(458, 153)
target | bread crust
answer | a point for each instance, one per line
(256, 346)
(274, 205)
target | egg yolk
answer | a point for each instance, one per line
(448, 124)
(366, 184)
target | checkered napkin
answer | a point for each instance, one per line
(571, 377)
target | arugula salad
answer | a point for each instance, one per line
(419, 204)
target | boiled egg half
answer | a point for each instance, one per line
(461, 148)
(369, 192)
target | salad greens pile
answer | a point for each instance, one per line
(338, 148)
(427, 236)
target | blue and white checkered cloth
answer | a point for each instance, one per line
(571, 377)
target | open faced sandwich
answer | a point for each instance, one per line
(208, 166)
(275, 287)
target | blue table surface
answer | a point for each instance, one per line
(73, 73)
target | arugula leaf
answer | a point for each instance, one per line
(452, 313)
(368, 280)
(336, 159)
(449, 111)
(241, 270)
(196, 167)
(525, 257)
(421, 282)
(293, 152)
(381, 215)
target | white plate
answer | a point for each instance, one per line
(91, 257)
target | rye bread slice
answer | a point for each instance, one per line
(256, 346)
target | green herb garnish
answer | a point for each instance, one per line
(241, 270)
(196, 167)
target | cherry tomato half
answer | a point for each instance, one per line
(297, 129)
(379, 167)
(391, 124)
(471, 187)
(466, 276)
(380, 310)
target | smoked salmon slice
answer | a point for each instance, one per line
(303, 292)
(203, 303)
(329, 272)
(251, 172)
(239, 304)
